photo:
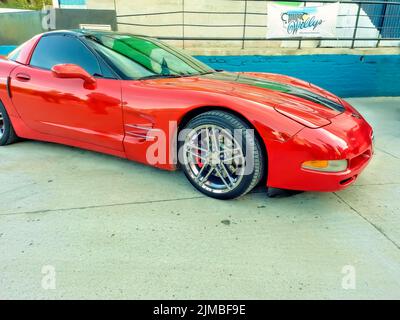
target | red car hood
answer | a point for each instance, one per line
(296, 99)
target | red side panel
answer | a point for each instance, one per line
(6, 68)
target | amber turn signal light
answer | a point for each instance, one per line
(326, 165)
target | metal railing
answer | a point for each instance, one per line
(383, 15)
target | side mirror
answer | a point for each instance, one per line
(73, 71)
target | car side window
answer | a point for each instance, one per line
(14, 55)
(58, 49)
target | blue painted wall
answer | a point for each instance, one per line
(72, 2)
(344, 75)
(5, 50)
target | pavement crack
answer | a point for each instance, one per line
(388, 153)
(100, 206)
(377, 184)
(379, 229)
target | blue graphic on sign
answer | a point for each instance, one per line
(295, 20)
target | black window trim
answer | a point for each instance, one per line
(117, 71)
(81, 40)
(84, 40)
(99, 58)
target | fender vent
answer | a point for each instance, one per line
(140, 132)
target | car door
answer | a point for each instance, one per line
(65, 107)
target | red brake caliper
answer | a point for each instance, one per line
(198, 161)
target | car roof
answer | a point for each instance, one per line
(88, 32)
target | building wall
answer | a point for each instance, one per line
(5, 50)
(20, 26)
(344, 75)
(23, 25)
(256, 24)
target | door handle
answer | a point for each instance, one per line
(23, 77)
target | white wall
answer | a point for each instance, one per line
(126, 7)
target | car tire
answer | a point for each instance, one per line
(7, 133)
(225, 180)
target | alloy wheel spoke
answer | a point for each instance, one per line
(231, 180)
(192, 146)
(231, 150)
(238, 156)
(214, 137)
(223, 179)
(203, 180)
(198, 155)
(208, 140)
(198, 178)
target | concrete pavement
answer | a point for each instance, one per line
(109, 228)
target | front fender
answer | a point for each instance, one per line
(174, 104)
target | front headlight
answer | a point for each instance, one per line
(326, 165)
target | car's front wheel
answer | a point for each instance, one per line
(221, 155)
(7, 133)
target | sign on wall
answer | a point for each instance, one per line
(305, 22)
(70, 4)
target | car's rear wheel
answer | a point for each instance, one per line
(7, 133)
(221, 155)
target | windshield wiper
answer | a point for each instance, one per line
(207, 72)
(155, 76)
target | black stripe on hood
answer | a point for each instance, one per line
(277, 86)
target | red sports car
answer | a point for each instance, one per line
(141, 99)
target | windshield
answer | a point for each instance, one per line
(136, 57)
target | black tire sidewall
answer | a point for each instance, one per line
(7, 126)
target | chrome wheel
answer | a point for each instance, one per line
(214, 158)
(2, 125)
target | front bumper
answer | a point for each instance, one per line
(347, 137)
